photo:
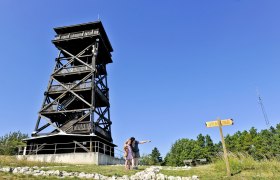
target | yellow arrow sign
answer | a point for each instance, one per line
(225, 122)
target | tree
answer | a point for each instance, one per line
(278, 128)
(155, 155)
(151, 159)
(247, 141)
(253, 132)
(179, 152)
(9, 143)
(260, 145)
(146, 159)
(201, 140)
(210, 148)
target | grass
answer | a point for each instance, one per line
(13, 162)
(11, 176)
(203, 172)
(242, 167)
(104, 170)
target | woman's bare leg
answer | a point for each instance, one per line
(126, 164)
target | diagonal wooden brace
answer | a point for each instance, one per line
(67, 90)
(81, 118)
(72, 57)
(83, 147)
(49, 121)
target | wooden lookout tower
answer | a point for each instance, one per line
(75, 114)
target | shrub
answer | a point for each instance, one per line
(9, 143)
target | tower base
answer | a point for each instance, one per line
(70, 148)
(95, 158)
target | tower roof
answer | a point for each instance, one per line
(83, 27)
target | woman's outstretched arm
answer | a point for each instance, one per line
(143, 142)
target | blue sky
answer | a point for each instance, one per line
(177, 64)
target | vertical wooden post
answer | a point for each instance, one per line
(95, 146)
(55, 148)
(224, 148)
(24, 150)
(90, 145)
(19, 149)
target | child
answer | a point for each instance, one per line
(128, 154)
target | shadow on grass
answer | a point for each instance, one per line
(238, 172)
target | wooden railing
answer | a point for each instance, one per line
(84, 85)
(73, 69)
(75, 35)
(70, 147)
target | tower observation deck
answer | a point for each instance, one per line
(76, 105)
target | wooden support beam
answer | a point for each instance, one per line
(83, 147)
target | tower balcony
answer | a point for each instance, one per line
(73, 70)
(69, 74)
(60, 88)
(83, 89)
(75, 35)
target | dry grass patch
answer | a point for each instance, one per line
(14, 162)
(203, 172)
(242, 167)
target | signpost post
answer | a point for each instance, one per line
(221, 123)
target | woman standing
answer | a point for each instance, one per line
(128, 154)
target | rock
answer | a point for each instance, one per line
(125, 177)
(28, 172)
(114, 178)
(149, 175)
(171, 178)
(65, 174)
(7, 169)
(42, 173)
(89, 176)
(23, 170)
(194, 177)
(103, 177)
(186, 178)
(96, 176)
(16, 170)
(57, 173)
(82, 175)
(75, 173)
(160, 176)
(134, 177)
(49, 173)
(37, 171)
(178, 178)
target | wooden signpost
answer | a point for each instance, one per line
(220, 123)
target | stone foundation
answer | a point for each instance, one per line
(74, 158)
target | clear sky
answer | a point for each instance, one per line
(177, 64)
